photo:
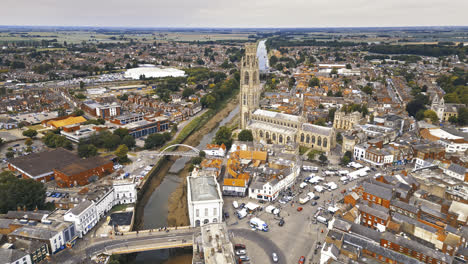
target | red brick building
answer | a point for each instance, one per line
(83, 171)
(60, 164)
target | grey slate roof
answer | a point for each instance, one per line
(457, 169)
(11, 255)
(378, 191)
(81, 207)
(376, 210)
(404, 206)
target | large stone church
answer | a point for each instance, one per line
(270, 126)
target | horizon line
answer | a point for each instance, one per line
(232, 27)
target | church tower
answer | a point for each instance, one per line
(249, 83)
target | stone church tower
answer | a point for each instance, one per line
(249, 84)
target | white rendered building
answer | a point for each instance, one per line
(205, 202)
(84, 215)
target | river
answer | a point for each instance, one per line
(156, 210)
(262, 56)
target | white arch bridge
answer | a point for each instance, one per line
(193, 152)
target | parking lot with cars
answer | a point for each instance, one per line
(298, 217)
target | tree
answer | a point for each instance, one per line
(245, 135)
(323, 158)
(121, 132)
(346, 158)
(111, 141)
(129, 141)
(82, 85)
(154, 141)
(224, 136)
(453, 120)
(311, 155)
(9, 154)
(121, 153)
(197, 160)
(61, 112)
(87, 150)
(415, 105)
(78, 112)
(80, 96)
(462, 116)
(28, 142)
(187, 92)
(15, 192)
(339, 137)
(348, 66)
(30, 133)
(314, 82)
(431, 115)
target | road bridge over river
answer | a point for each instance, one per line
(144, 240)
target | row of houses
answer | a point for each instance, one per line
(33, 236)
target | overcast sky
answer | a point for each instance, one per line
(235, 13)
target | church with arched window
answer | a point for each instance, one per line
(274, 127)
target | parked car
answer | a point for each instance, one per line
(241, 252)
(226, 215)
(239, 246)
(244, 258)
(274, 257)
(301, 260)
(316, 197)
(242, 205)
(299, 209)
(314, 203)
(281, 222)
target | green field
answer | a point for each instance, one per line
(114, 37)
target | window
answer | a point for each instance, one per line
(215, 211)
(197, 212)
(206, 211)
(246, 78)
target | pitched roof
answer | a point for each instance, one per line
(11, 255)
(378, 191)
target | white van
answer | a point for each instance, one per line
(302, 185)
(322, 220)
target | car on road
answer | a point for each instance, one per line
(274, 257)
(316, 197)
(244, 258)
(281, 201)
(240, 252)
(281, 222)
(301, 260)
(235, 205)
(239, 246)
(314, 203)
(299, 209)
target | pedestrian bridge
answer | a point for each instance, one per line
(146, 240)
(193, 152)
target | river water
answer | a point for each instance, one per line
(156, 210)
(262, 56)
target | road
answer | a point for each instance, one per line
(130, 242)
(259, 238)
